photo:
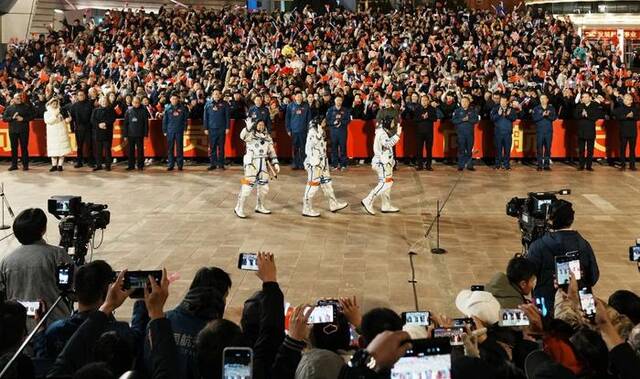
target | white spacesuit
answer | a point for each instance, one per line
(260, 151)
(317, 166)
(382, 164)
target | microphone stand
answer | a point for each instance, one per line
(436, 220)
(5, 202)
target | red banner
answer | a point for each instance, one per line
(359, 140)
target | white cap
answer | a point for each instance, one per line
(480, 304)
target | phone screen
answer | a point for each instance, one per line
(237, 363)
(322, 314)
(422, 318)
(454, 335)
(513, 317)
(564, 267)
(32, 307)
(248, 261)
(634, 253)
(462, 322)
(587, 302)
(542, 306)
(137, 280)
(428, 359)
(63, 275)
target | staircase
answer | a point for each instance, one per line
(43, 15)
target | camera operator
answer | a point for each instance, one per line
(561, 240)
(91, 283)
(515, 286)
(29, 272)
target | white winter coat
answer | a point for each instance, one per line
(58, 143)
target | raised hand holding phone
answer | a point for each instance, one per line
(298, 324)
(266, 267)
(155, 295)
(116, 295)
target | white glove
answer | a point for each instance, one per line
(399, 130)
(277, 168)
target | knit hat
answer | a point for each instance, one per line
(480, 304)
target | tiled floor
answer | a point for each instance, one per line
(184, 220)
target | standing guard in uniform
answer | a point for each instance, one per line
(464, 119)
(587, 113)
(628, 114)
(383, 163)
(338, 118)
(260, 112)
(174, 123)
(215, 122)
(317, 166)
(503, 117)
(544, 115)
(260, 162)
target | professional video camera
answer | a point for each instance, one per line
(78, 223)
(532, 213)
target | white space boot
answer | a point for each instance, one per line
(367, 203)
(307, 202)
(386, 202)
(262, 193)
(245, 190)
(334, 204)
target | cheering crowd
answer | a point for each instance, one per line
(537, 319)
(259, 61)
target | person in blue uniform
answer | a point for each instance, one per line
(174, 124)
(260, 112)
(296, 122)
(503, 117)
(464, 118)
(338, 118)
(215, 121)
(544, 115)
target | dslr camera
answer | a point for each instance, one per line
(78, 223)
(532, 213)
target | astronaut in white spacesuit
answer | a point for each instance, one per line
(317, 166)
(382, 163)
(260, 163)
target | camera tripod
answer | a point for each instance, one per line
(5, 203)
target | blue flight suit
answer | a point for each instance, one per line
(503, 134)
(338, 123)
(296, 121)
(544, 133)
(216, 121)
(174, 124)
(464, 121)
(260, 114)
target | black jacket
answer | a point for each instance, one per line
(587, 124)
(136, 123)
(424, 117)
(628, 125)
(271, 332)
(624, 363)
(106, 115)
(287, 359)
(80, 113)
(543, 251)
(16, 126)
(79, 351)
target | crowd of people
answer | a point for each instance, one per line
(569, 332)
(263, 64)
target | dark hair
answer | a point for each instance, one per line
(591, 351)
(519, 269)
(115, 351)
(377, 321)
(91, 281)
(626, 303)
(332, 336)
(210, 344)
(30, 225)
(13, 324)
(212, 277)
(561, 214)
(94, 370)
